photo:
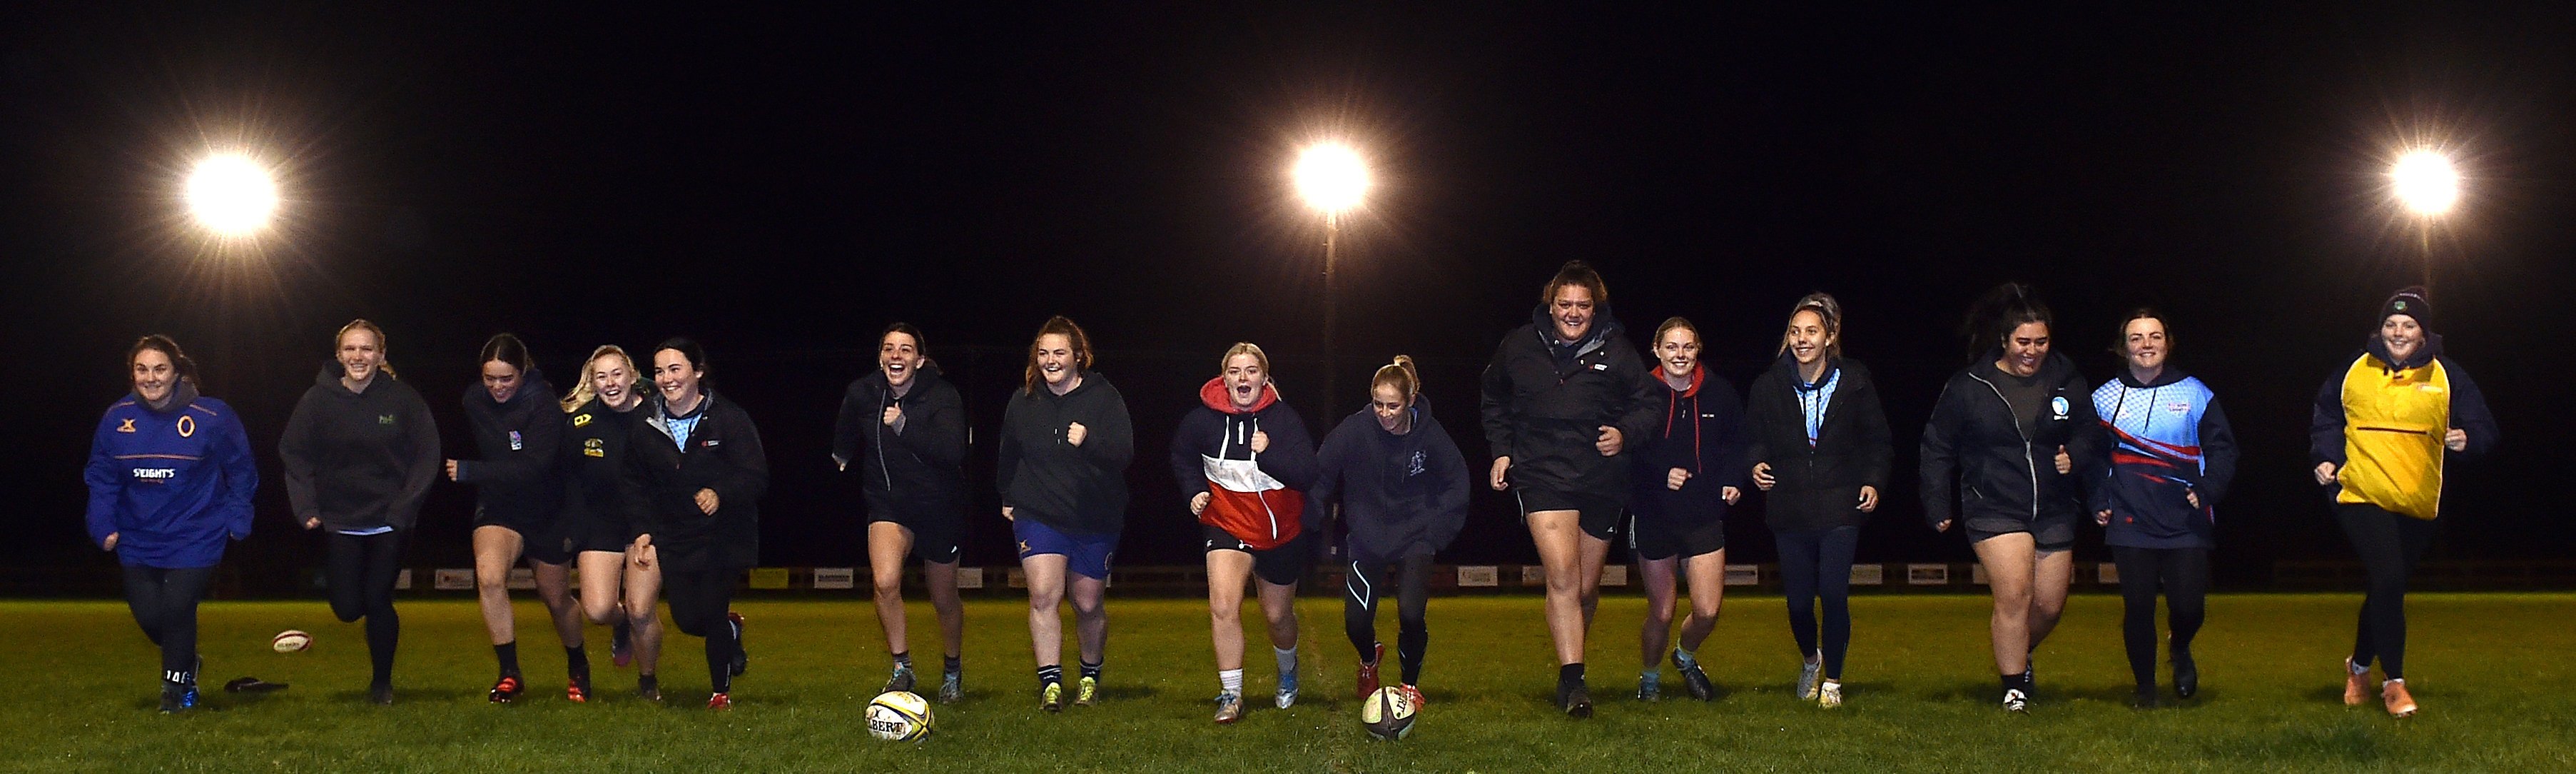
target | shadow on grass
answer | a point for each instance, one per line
(2302, 746)
(358, 697)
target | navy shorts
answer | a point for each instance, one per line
(1599, 515)
(1279, 566)
(934, 540)
(1656, 538)
(2048, 534)
(1085, 554)
(546, 545)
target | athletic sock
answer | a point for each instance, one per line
(952, 664)
(508, 654)
(1051, 674)
(1287, 660)
(577, 662)
(1091, 670)
(623, 632)
(1231, 681)
(1570, 674)
(647, 683)
(2360, 667)
(903, 660)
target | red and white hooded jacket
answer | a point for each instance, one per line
(1259, 498)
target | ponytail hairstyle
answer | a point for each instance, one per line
(1400, 375)
(920, 343)
(581, 393)
(2120, 336)
(1058, 325)
(2008, 306)
(1827, 308)
(384, 346)
(1576, 273)
(508, 349)
(1670, 323)
(169, 348)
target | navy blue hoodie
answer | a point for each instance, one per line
(1401, 495)
(1702, 432)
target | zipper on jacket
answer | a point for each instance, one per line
(882, 470)
(2026, 459)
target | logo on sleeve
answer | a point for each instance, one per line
(127, 427)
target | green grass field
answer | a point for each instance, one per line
(2492, 671)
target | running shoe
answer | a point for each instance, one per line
(1228, 708)
(952, 687)
(648, 689)
(577, 690)
(1650, 686)
(381, 694)
(741, 657)
(720, 702)
(2016, 701)
(1287, 689)
(2356, 684)
(1808, 671)
(1415, 694)
(1829, 694)
(1575, 699)
(506, 690)
(2400, 703)
(901, 680)
(1695, 679)
(1367, 677)
(2186, 673)
(2144, 698)
(1051, 697)
(621, 646)
(177, 698)
(1086, 692)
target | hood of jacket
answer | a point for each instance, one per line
(181, 394)
(2169, 376)
(329, 379)
(533, 388)
(1604, 326)
(2424, 353)
(1213, 395)
(1699, 374)
(2056, 368)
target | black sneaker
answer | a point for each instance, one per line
(2186, 675)
(901, 680)
(505, 690)
(381, 694)
(741, 657)
(1575, 699)
(2144, 698)
(1695, 679)
(648, 688)
(177, 698)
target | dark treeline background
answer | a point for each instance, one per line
(782, 187)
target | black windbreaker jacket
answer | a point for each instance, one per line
(1978, 464)
(1545, 414)
(723, 454)
(515, 481)
(917, 473)
(1817, 487)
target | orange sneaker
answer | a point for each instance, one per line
(2356, 685)
(2400, 703)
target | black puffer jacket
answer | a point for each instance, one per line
(1978, 463)
(1545, 411)
(1817, 487)
(916, 473)
(515, 481)
(723, 454)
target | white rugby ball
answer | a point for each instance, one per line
(290, 641)
(899, 716)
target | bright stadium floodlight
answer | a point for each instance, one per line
(2425, 182)
(231, 195)
(1331, 177)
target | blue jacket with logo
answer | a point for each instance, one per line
(171, 485)
(2168, 442)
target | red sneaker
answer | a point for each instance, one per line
(719, 702)
(506, 690)
(1367, 677)
(577, 692)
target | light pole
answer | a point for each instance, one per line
(1332, 179)
(2427, 184)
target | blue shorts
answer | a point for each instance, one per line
(1085, 554)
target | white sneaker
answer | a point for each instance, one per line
(1807, 672)
(1829, 694)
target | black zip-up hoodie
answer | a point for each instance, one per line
(1215, 428)
(1401, 495)
(1702, 432)
(914, 474)
(1817, 487)
(515, 483)
(1078, 489)
(602, 494)
(1544, 404)
(359, 460)
(1978, 463)
(722, 453)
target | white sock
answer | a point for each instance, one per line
(2399, 681)
(1287, 659)
(1232, 680)
(2359, 668)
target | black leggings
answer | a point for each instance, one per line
(360, 570)
(2389, 545)
(1814, 564)
(699, 599)
(2183, 575)
(164, 602)
(1366, 583)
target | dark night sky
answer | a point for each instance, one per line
(781, 187)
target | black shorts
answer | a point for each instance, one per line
(934, 540)
(2049, 534)
(1281, 566)
(597, 534)
(1599, 515)
(1662, 539)
(546, 544)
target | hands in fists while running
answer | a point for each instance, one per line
(110, 543)
(893, 417)
(1762, 476)
(451, 470)
(1260, 441)
(1868, 499)
(1006, 513)
(1074, 433)
(707, 501)
(2102, 518)
(1675, 478)
(1502, 465)
(1609, 442)
(2325, 473)
(1199, 502)
(2065, 464)
(2455, 439)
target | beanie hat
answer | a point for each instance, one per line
(2409, 302)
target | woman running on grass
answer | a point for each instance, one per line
(1402, 486)
(905, 427)
(359, 454)
(170, 478)
(518, 503)
(1688, 471)
(2381, 432)
(1562, 397)
(603, 511)
(697, 457)
(1244, 459)
(1066, 442)
(2006, 452)
(2171, 457)
(1820, 451)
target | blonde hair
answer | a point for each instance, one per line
(1827, 310)
(1058, 325)
(1669, 324)
(1400, 375)
(384, 346)
(1244, 348)
(581, 391)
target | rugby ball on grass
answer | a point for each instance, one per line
(290, 641)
